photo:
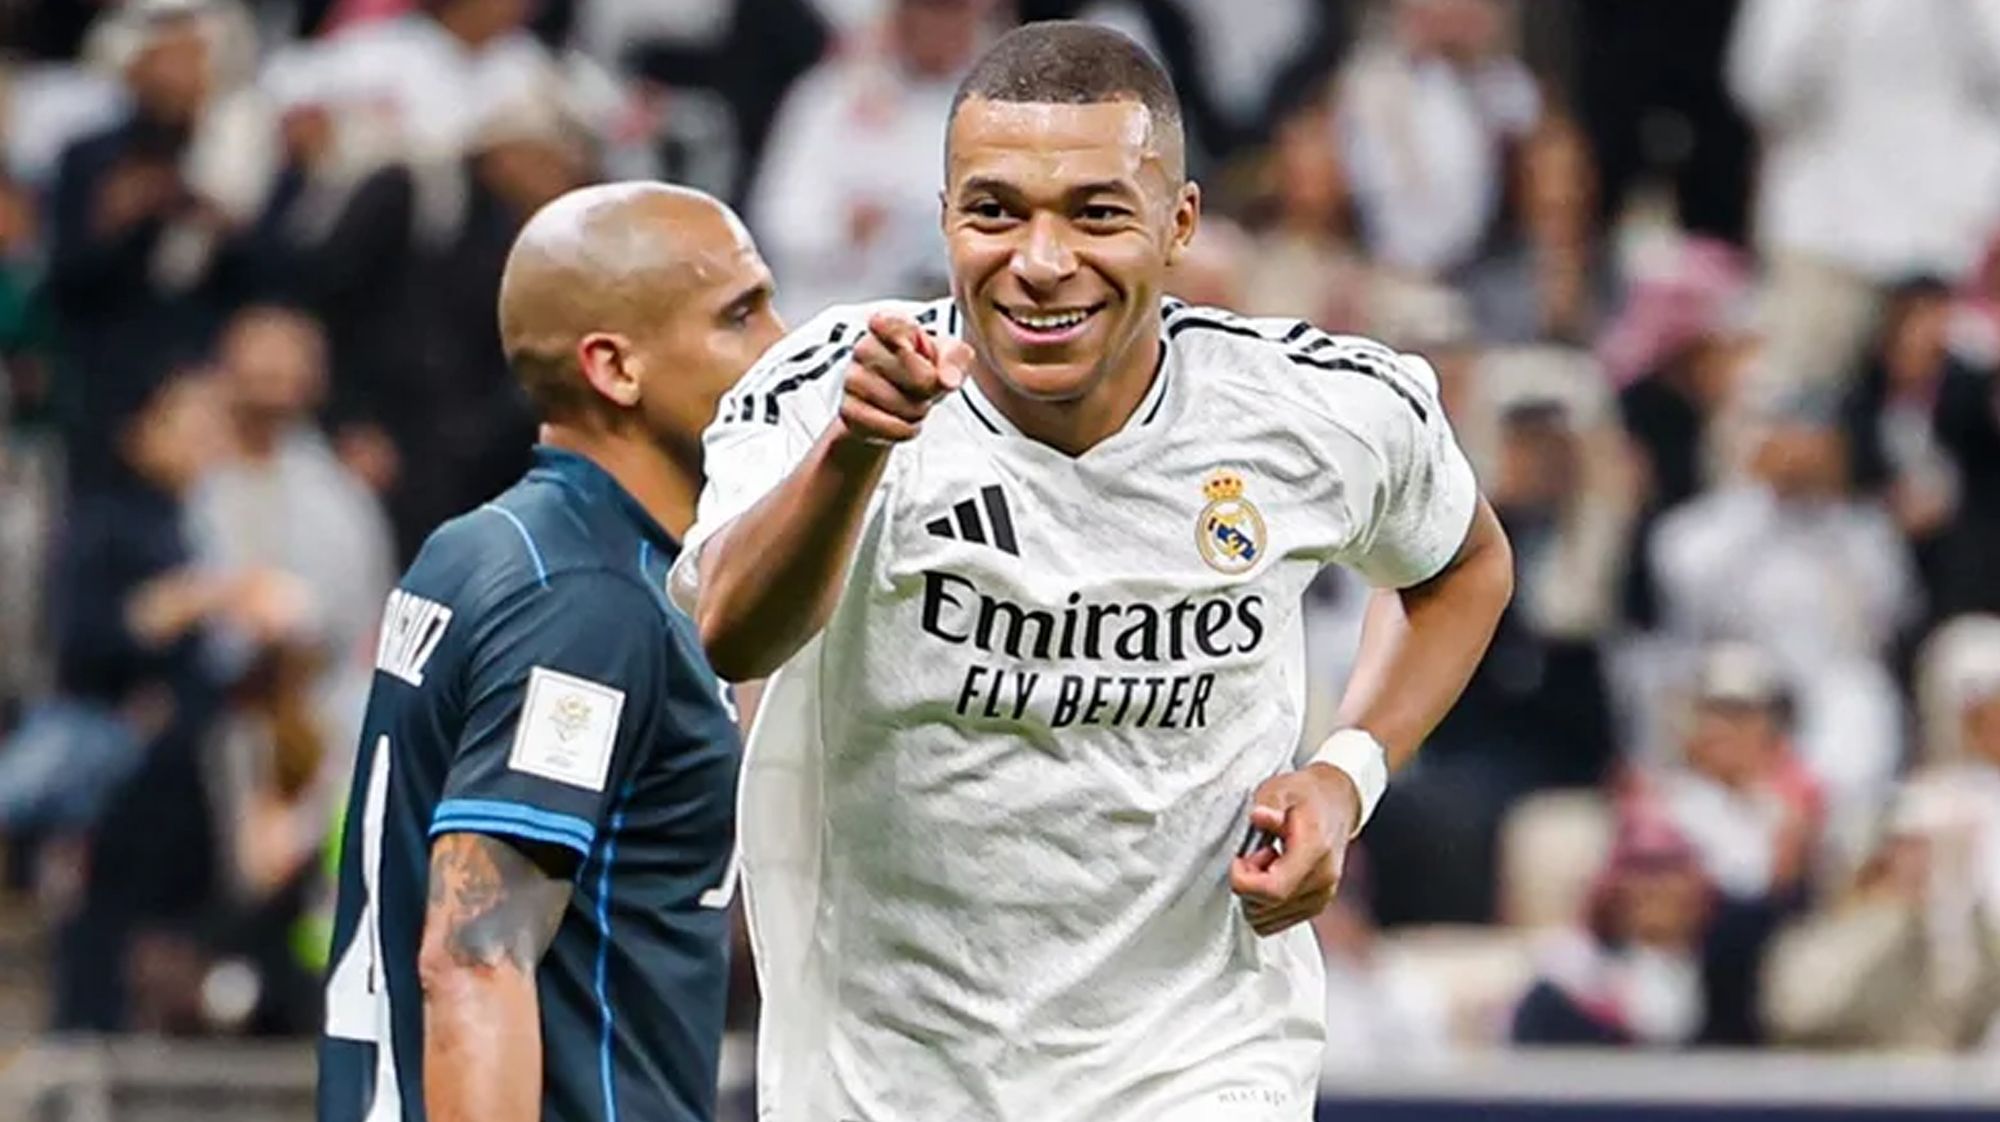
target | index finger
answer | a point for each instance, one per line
(910, 370)
(946, 364)
(897, 332)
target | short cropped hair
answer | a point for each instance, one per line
(1066, 62)
(555, 386)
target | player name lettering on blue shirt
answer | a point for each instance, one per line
(411, 629)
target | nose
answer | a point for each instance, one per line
(1044, 259)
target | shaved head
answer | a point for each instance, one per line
(614, 263)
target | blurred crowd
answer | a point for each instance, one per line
(1712, 289)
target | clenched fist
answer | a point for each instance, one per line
(1308, 817)
(898, 371)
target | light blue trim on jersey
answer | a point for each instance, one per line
(607, 1039)
(541, 570)
(494, 816)
(645, 578)
(499, 827)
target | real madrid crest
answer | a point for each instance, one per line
(1228, 531)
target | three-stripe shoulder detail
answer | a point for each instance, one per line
(1305, 345)
(759, 400)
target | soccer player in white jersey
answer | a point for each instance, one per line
(1026, 566)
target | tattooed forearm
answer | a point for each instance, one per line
(490, 903)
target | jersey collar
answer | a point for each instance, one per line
(582, 474)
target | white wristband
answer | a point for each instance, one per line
(1364, 760)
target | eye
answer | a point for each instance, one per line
(1101, 213)
(739, 315)
(986, 210)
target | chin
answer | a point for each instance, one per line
(1050, 382)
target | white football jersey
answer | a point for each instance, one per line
(988, 814)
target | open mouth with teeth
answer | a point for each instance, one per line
(1043, 327)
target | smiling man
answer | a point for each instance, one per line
(1027, 564)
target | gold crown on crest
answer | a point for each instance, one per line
(1222, 484)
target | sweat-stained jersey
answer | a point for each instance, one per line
(989, 811)
(533, 683)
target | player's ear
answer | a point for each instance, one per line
(1185, 221)
(610, 367)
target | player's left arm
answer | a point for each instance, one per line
(561, 680)
(495, 905)
(1444, 574)
(1420, 645)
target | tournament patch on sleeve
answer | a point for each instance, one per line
(567, 730)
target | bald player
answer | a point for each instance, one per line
(539, 839)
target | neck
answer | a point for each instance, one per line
(257, 438)
(1077, 425)
(661, 482)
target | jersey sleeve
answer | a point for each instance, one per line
(560, 687)
(1408, 489)
(763, 428)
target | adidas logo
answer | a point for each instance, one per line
(981, 521)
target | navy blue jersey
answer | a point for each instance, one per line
(532, 682)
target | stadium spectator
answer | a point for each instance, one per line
(1236, 77)
(132, 613)
(124, 608)
(1881, 141)
(421, 403)
(1563, 486)
(284, 502)
(846, 202)
(1790, 560)
(457, 414)
(720, 69)
(1748, 805)
(1926, 425)
(1630, 974)
(1905, 960)
(1538, 714)
(151, 218)
(1752, 812)
(1431, 115)
(350, 246)
(1559, 280)
(1675, 351)
(1892, 420)
(1308, 263)
(1909, 957)
(414, 88)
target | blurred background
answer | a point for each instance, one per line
(1713, 290)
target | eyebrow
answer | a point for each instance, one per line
(991, 185)
(762, 289)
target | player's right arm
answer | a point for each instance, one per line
(494, 908)
(770, 578)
